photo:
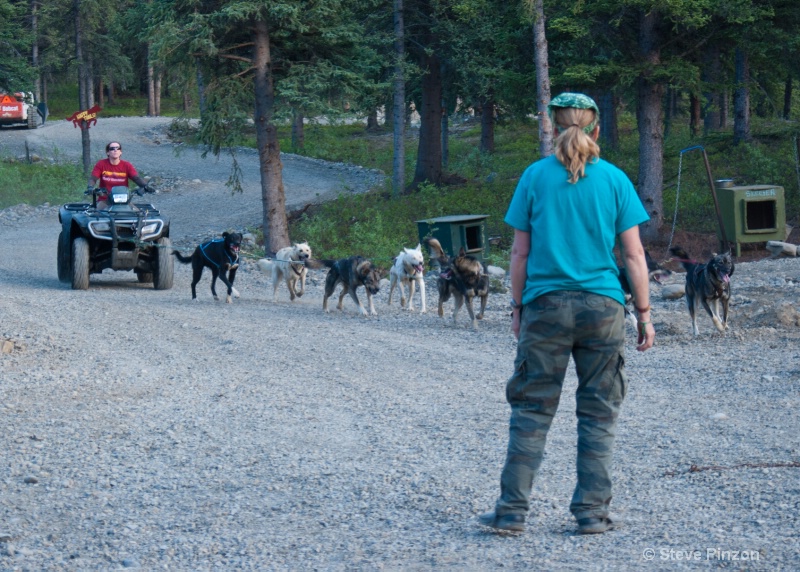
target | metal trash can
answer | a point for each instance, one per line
(755, 213)
(455, 232)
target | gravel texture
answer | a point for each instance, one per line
(141, 430)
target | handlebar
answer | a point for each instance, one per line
(138, 190)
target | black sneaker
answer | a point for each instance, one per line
(593, 525)
(505, 522)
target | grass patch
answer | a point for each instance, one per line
(39, 183)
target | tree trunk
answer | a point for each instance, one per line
(298, 131)
(399, 102)
(83, 96)
(542, 81)
(429, 154)
(151, 88)
(372, 120)
(201, 87)
(649, 114)
(111, 89)
(787, 97)
(89, 76)
(187, 102)
(157, 92)
(724, 110)
(445, 136)
(101, 99)
(275, 225)
(609, 130)
(487, 127)
(695, 115)
(741, 99)
(37, 81)
(711, 79)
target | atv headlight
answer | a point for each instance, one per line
(101, 226)
(150, 228)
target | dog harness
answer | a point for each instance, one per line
(232, 262)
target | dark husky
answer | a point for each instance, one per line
(351, 273)
(655, 272)
(221, 256)
(464, 277)
(705, 283)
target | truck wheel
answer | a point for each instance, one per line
(63, 257)
(80, 264)
(144, 277)
(165, 264)
(32, 115)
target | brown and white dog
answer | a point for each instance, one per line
(707, 284)
(464, 277)
(290, 265)
(351, 273)
(408, 269)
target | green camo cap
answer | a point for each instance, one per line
(576, 101)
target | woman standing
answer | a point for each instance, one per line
(567, 212)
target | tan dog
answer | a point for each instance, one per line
(408, 269)
(290, 265)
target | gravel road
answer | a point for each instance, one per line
(141, 430)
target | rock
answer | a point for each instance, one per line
(673, 291)
(495, 271)
(788, 315)
(778, 248)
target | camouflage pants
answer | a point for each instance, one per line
(554, 326)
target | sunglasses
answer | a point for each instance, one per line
(114, 148)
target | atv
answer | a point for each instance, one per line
(125, 236)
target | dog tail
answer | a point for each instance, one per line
(682, 257)
(437, 253)
(181, 257)
(435, 248)
(328, 263)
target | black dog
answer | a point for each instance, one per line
(464, 277)
(351, 273)
(221, 256)
(654, 271)
(705, 283)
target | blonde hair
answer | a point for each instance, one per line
(574, 148)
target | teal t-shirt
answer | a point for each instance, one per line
(573, 227)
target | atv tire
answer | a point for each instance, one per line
(63, 258)
(165, 265)
(80, 264)
(32, 115)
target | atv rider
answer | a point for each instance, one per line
(113, 172)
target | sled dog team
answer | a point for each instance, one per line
(462, 277)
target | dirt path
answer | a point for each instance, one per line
(188, 181)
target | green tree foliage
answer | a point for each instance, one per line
(309, 55)
(15, 47)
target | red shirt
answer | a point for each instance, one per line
(113, 175)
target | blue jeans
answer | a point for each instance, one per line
(556, 325)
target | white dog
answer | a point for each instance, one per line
(408, 269)
(290, 265)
